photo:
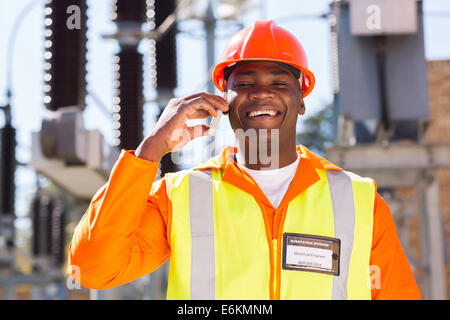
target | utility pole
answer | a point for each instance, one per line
(7, 171)
(8, 162)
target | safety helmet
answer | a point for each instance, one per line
(265, 41)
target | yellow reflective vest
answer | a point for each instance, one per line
(221, 248)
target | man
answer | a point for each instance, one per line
(246, 224)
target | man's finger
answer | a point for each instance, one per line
(217, 101)
(200, 103)
(199, 114)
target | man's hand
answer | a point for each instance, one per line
(171, 132)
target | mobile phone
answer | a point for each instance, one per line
(214, 123)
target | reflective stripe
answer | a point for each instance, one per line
(341, 190)
(364, 192)
(201, 215)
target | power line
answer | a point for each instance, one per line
(11, 41)
(100, 104)
(302, 17)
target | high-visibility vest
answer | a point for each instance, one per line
(220, 248)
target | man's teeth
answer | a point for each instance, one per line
(264, 112)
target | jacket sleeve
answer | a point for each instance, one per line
(122, 235)
(391, 274)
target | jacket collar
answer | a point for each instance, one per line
(305, 176)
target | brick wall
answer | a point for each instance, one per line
(439, 131)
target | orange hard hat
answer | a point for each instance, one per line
(265, 41)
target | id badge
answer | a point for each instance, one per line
(311, 253)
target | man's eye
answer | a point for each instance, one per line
(243, 84)
(279, 83)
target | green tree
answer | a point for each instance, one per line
(317, 131)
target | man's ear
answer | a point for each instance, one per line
(301, 107)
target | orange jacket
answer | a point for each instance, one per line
(123, 234)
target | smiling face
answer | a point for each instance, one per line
(265, 95)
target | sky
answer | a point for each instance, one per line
(27, 101)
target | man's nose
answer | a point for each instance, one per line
(260, 93)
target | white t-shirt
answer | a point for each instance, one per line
(274, 183)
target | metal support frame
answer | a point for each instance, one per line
(39, 283)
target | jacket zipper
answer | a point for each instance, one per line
(275, 268)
